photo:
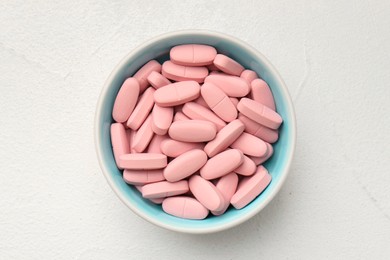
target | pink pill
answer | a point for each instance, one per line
(161, 119)
(206, 193)
(142, 74)
(143, 161)
(173, 148)
(228, 65)
(201, 102)
(155, 201)
(251, 127)
(234, 101)
(142, 110)
(141, 177)
(179, 116)
(212, 67)
(177, 93)
(198, 112)
(155, 143)
(157, 80)
(250, 145)
(259, 113)
(183, 73)
(219, 102)
(222, 164)
(247, 168)
(262, 159)
(232, 86)
(184, 207)
(249, 75)
(227, 185)
(164, 189)
(143, 136)
(120, 144)
(125, 100)
(185, 165)
(250, 189)
(192, 131)
(262, 93)
(193, 55)
(224, 138)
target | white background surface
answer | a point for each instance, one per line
(54, 59)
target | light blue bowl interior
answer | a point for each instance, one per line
(159, 50)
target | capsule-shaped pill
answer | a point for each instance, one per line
(250, 145)
(249, 75)
(198, 112)
(177, 93)
(119, 141)
(143, 161)
(125, 100)
(193, 54)
(164, 189)
(247, 168)
(143, 136)
(222, 164)
(142, 74)
(206, 193)
(251, 127)
(161, 119)
(155, 143)
(192, 131)
(261, 93)
(141, 177)
(173, 148)
(232, 86)
(157, 80)
(228, 65)
(142, 109)
(227, 185)
(185, 207)
(262, 159)
(176, 72)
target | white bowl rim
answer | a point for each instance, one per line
(290, 111)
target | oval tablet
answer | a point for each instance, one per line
(184, 165)
(161, 119)
(198, 112)
(155, 201)
(193, 54)
(228, 65)
(184, 207)
(222, 164)
(247, 168)
(142, 110)
(261, 160)
(250, 145)
(143, 136)
(125, 100)
(155, 143)
(219, 102)
(225, 137)
(140, 177)
(251, 127)
(192, 131)
(157, 80)
(177, 93)
(261, 93)
(249, 189)
(231, 85)
(173, 148)
(142, 74)
(249, 75)
(119, 141)
(206, 193)
(164, 189)
(259, 113)
(182, 73)
(227, 185)
(140, 161)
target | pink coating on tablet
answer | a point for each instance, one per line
(157, 80)
(177, 93)
(227, 185)
(130, 137)
(247, 168)
(212, 67)
(192, 131)
(184, 207)
(251, 127)
(228, 65)
(249, 75)
(250, 145)
(142, 74)
(206, 193)
(173, 148)
(143, 136)
(201, 101)
(141, 177)
(125, 100)
(183, 73)
(219, 102)
(155, 143)
(248, 190)
(198, 112)
(185, 165)
(142, 109)
(261, 93)
(224, 138)
(119, 142)
(259, 113)
(179, 116)
(164, 189)
(222, 164)
(232, 86)
(155, 201)
(234, 101)
(143, 161)
(161, 119)
(262, 159)
(193, 54)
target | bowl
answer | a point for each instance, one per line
(158, 48)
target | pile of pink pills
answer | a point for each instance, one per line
(192, 134)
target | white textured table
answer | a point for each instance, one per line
(335, 59)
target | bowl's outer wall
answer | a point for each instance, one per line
(277, 166)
